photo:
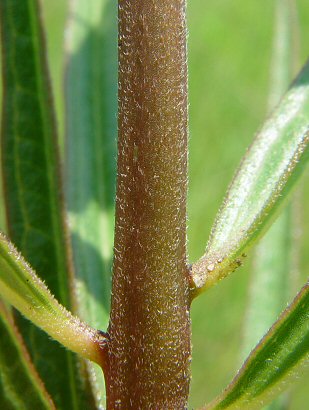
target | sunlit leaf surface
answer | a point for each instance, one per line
(26, 292)
(280, 357)
(32, 186)
(269, 170)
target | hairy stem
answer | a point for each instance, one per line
(149, 347)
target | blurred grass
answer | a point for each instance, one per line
(229, 64)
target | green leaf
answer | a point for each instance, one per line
(91, 103)
(273, 258)
(20, 386)
(32, 185)
(270, 282)
(269, 170)
(285, 49)
(2, 213)
(26, 292)
(279, 358)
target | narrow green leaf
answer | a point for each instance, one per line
(285, 50)
(32, 185)
(269, 170)
(270, 284)
(280, 357)
(275, 254)
(20, 386)
(2, 213)
(91, 102)
(273, 257)
(30, 160)
(26, 292)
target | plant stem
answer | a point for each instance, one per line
(149, 347)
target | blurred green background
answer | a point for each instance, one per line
(230, 45)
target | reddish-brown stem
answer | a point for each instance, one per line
(149, 331)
